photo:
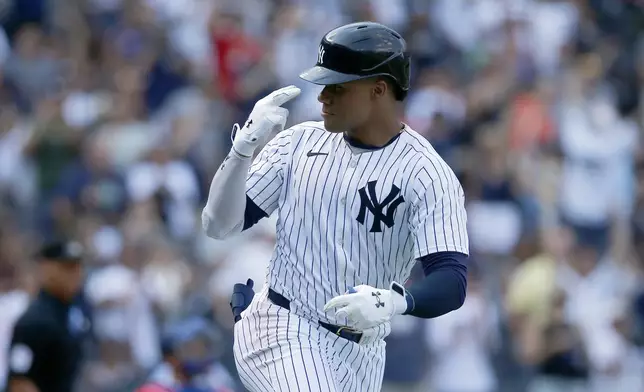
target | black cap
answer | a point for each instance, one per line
(63, 251)
(361, 50)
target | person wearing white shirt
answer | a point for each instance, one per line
(597, 175)
(598, 291)
(461, 341)
(175, 180)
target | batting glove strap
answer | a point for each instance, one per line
(403, 302)
(249, 149)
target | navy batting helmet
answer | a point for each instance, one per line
(358, 51)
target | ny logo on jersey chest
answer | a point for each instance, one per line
(369, 201)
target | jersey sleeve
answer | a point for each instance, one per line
(266, 174)
(29, 344)
(438, 220)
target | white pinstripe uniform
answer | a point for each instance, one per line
(346, 216)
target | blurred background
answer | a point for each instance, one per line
(115, 114)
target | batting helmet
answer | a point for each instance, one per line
(358, 51)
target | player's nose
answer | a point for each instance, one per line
(325, 96)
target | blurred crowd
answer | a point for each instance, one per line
(115, 114)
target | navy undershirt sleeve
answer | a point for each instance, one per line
(443, 288)
(252, 214)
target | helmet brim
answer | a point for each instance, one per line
(324, 76)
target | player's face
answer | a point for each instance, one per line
(346, 106)
(64, 278)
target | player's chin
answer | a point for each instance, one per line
(331, 125)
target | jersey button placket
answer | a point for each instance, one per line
(343, 201)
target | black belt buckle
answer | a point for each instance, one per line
(343, 332)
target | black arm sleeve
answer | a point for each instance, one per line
(252, 214)
(29, 345)
(443, 288)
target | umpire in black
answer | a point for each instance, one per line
(46, 345)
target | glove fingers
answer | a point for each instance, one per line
(280, 111)
(277, 117)
(266, 118)
(350, 310)
(349, 315)
(283, 95)
(341, 300)
(342, 313)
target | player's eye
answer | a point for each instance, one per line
(338, 89)
(334, 89)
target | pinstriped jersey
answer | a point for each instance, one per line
(348, 216)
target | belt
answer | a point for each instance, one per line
(343, 332)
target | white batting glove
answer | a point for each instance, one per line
(266, 118)
(366, 307)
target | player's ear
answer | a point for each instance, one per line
(379, 89)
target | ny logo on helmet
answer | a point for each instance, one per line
(321, 54)
(369, 201)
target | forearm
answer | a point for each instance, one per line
(443, 288)
(442, 291)
(223, 214)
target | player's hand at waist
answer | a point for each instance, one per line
(266, 118)
(366, 307)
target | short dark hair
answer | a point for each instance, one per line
(399, 93)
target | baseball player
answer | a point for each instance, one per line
(359, 198)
